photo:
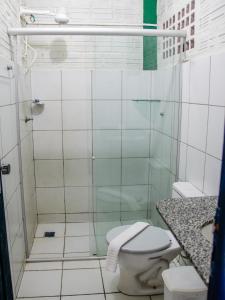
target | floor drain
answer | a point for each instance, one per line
(49, 234)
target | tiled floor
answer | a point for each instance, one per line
(72, 280)
(71, 239)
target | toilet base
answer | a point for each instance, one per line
(132, 285)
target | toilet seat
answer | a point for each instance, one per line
(151, 239)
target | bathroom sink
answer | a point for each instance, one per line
(207, 231)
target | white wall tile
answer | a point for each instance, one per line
(5, 88)
(106, 85)
(11, 181)
(185, 81)
(215, 131)
(50, 200)
(51, 218)
(76, 115)
(182, 162)
(47, 144)
(136, 115)
(212, 176)
(197, 133)
(77, 199)
(77, 172)
(135, 143)
(77, 144)
(184, 122)
(18, 254)
(107, 172)
(217, 75)
(14, 215)
(107, 143)
(50, 118)
(49, 173)
(199, 80)
(107, 115)
(46, 84)
(136, 85)
(76, 84)
(8, 128)
(195, 167)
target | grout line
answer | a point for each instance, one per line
(102, 280)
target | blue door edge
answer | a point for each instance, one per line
(216, 290)
(6, 289)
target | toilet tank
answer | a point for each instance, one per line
(185, 190)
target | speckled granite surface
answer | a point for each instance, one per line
(185, 218)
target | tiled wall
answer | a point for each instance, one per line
(9, 154)
(202, 127)
(10, 143)
(91, 52)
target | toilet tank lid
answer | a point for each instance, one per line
(152, 239)
(186, 190)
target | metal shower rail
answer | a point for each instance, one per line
(95, 31)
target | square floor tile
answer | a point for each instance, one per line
(40, 284)
(84, 297)
(42, 298)
(58, 228)
(85, 264)
(157, 297)
(120, 296)
(47, 245)
(77, 229)
(77, 244)
(81, 282)
(43, 266)
(110, 280)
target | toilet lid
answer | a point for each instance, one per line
(151, 239)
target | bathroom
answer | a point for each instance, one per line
(109, 110)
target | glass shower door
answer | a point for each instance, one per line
(135, 147)
(121, 153)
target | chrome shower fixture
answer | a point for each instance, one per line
(60, 15)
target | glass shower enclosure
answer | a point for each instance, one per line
(135, 147)
(132, 153)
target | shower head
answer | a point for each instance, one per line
(61, 17)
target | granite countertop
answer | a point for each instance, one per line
(185, 218)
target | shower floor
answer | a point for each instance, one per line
(70, 240)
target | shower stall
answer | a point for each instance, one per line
(105, 147)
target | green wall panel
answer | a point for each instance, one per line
(150, 43)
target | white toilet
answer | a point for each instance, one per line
(143, 259)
